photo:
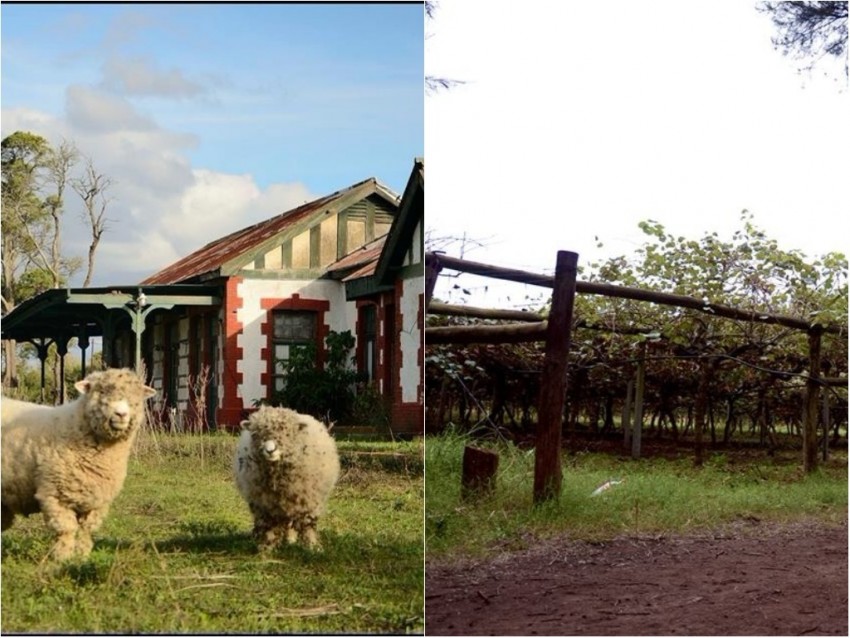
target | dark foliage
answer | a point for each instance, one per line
(809, 30)
(434, 83)
(327, 393)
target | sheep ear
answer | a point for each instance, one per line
(83, 386)
(149, 392)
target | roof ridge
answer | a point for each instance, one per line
(189, 264)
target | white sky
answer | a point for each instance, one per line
(580, 119)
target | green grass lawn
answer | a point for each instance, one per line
(656, 496)
(175, 554)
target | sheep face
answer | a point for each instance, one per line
(274, 447)
(114, 403)
(271, 451)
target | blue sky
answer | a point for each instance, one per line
(210, 117)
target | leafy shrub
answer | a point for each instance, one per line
(327, 393)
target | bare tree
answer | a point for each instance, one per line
(809, 31)
(59, 164)
(34, 179)
(91, 188)
(434, 83)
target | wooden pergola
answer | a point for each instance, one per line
(57, 316)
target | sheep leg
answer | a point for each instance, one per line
(306, 529)
(266, 530)
(63, 522)
(291, 533)
(89, 522)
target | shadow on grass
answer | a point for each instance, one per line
(234, 543)
(220, 537)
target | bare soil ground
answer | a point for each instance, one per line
(748, 578)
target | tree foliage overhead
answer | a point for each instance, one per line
(810, 30)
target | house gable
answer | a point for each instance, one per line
(401, 256)
(308, 248)
(296, 237)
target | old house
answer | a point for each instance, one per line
(212, 328)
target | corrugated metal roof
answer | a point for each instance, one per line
(361, 262)
(209, 259)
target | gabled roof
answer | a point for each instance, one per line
(222, 256)
(379, 274)
(410, 214)
(359, 263)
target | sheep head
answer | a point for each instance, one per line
(273, 431)
(114, 403)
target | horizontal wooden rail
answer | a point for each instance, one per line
(516, 333)
(437, 308)
(625, 292)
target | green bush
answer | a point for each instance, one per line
(327, 393)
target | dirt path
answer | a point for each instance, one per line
(751, 578)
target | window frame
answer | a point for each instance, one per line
(288, 341)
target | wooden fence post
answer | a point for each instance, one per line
(707, 368)
(825, 418)
(810, 422)
(432, 271)
(479, 472)
(639, 389)
(626, 420)
(547, 454)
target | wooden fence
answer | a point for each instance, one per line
(556, 330)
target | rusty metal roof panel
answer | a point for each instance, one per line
(368, 254)
(206, 262)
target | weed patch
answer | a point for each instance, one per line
(655, 496)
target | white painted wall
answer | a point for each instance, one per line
(252, 315)
(414, 252)
(410, 338)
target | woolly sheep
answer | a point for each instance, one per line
(69, 462)
(286, 465)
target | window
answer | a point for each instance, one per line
(292, 329)
(369, 338)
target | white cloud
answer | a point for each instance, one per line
(162, 207)
(94, 111)
(215, 205)
(218, 200)
(138, 76)
(125, 28)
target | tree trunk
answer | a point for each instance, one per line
(626, 419)
(639, 389)
(810, 423)
(701, 409)
(10, 372)
(90, 266)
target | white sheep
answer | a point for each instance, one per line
(69, 462)
(286, 465)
